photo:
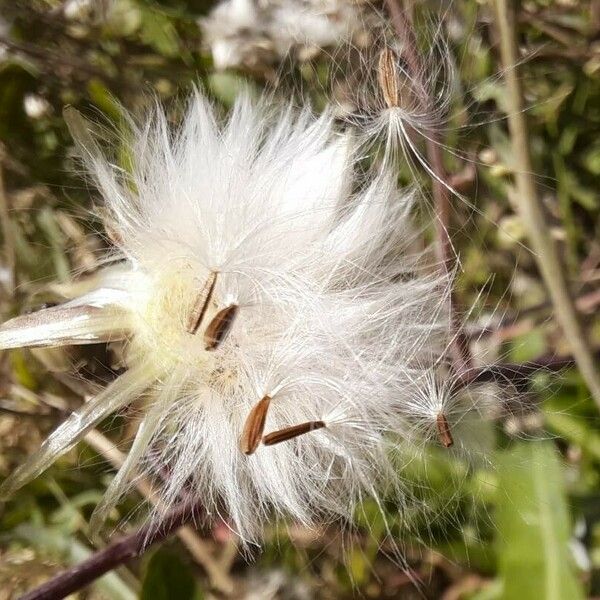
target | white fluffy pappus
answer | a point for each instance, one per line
(277, 327)
(405, 95)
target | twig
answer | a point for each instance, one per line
(7, 232)
(515, 373)
(197, 547)
(518, 324)
(115, 554)
(50, 58)
(531, 210)
(7, 409)
(440, 188)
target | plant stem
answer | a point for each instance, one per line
(514, 373)
(117, 553)
(7, 233)
(459, 348)
(196, 546)
(530, 207)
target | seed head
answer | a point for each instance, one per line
(278, 327)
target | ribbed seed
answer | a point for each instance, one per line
(444, 433)
(254, 426)
(219, 327)
(288, 433)
(201, 304)
(387, 75)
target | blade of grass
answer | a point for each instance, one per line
(8, 236)
(533, 525)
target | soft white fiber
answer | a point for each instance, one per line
(337, 321)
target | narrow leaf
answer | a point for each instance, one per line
(534, 526)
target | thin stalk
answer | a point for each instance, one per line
(514, 325)
(530, 207)
(461, 357)
(196, 546)
(131, 546)
(8, 236)
(515, 373)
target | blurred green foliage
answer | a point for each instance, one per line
(534, 528)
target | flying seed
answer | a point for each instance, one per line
(219, 327)
(254, 426)
(444, 433)
(387, 75)
(201, 304)
(282, 435)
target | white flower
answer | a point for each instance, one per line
(267, 294)
(77, 9)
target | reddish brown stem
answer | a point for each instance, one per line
(461, 357)
(117, 553)
(516, 373)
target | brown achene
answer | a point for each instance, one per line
(254, 426)
(387, 75)
(201, 304)
(288, 433)
(219, 327)
(444, 432)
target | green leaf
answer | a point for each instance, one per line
(59, 545)
(591, 159)
(104, 100)
(226, 87)
(46, 219)
(527, 346)
(533, 526)
(158, 32)
(167, 576)
(576, 430)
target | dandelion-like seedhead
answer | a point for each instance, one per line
(279, 332)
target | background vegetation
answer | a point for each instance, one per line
(524, 522)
